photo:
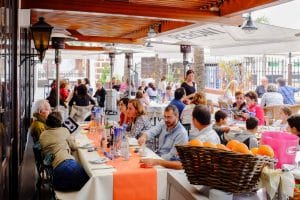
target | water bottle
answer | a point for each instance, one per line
(125, 148)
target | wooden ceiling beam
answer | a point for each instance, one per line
(81, 48)
(85, 38)
(125, 9)
(236, 7)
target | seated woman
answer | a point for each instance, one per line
(57, 140)
(228, 96)
(254, 110)
(169, 96)
(140, 96)
(271, 97)
(41, 109)
(137, 114)
(239, 106)
(186, 115)
(124, 119)
(285, 113)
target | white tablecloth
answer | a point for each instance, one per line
(100, 184)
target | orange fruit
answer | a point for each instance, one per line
(265, 150)
(254, 150)
(221, 146)
(232, 143)
(241, 148)
(209, 144)
(196, 143)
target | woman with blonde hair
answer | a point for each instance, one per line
(139, 120)
(229, 93)
(186, 115)
(230, 90)
(142, 97)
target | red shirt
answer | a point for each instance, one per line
(122, 119)
(64, 93)
(258, 113)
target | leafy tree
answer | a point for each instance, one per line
(262, 19)
(105, 72)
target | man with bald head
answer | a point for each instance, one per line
(261, 89)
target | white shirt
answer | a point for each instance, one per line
(207, 134)
(271, 98)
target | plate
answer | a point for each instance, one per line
(86, 146)
(99, 161)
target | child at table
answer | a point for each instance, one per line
(220, 125)
(285, 113)
(294, 124)
(247, 136)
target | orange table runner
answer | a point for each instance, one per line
(129, 180)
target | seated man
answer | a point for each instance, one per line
(201, 120)
(178, 98)
(170, 133)
(220, 125)
(247, 136)
(206, 134)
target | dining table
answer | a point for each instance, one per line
(155, 110)
(117, 178)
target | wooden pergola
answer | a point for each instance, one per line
(128, 21)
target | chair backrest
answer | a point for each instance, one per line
(295, 108)
(37, 150)
(187, 127)
(247, 142)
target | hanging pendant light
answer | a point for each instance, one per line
(248, 25)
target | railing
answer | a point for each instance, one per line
(248, 71)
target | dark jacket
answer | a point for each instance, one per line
(100, 96)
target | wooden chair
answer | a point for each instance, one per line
(295, 108)
(273, 112)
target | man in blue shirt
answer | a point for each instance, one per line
(170, 133)
(178, 98)
(287, 92)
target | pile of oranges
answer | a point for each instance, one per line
(236, 146)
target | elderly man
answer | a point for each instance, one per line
(287, 91)
(271, 97)
(170, 133)
(261, 89)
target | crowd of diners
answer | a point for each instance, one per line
(186, 105)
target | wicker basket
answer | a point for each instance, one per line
(220, 169)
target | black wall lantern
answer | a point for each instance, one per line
(41, 32)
